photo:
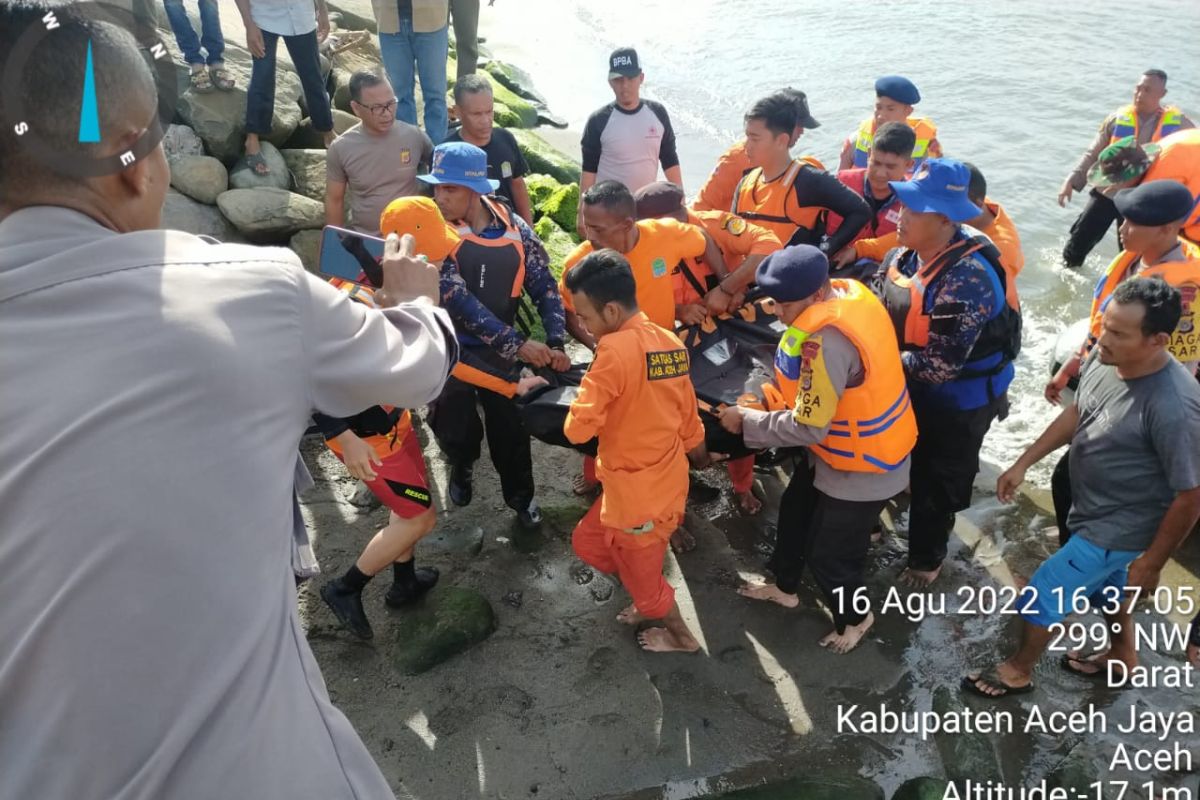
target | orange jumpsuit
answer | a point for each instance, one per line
(718, 191)
(637, 397)
(735, 237)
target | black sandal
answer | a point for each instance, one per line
(992, 681)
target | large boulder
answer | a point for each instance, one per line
(545, 159)
(306, 137)
(307, 245)
(179, 141)
(515, 79)
(562, 206)
(270, 214)
(525, 111)
(278, 176)
(219, 118)
(201, 178)
(354, 16)
(308, 171)
(182, 213)
(449, 621)
(922, 789)
(504, 116)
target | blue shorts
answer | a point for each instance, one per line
(1079, 569)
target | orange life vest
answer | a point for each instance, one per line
(1183, 275)
(1179, 160)
(493, 269)
(766, 202)
(1126, 123)
(874, 428)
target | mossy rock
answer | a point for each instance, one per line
(559, 244)
(965, 756)
(515, 80)
(504, 116)
(545, 159)
(922, 789)
(563, 518)
(540, 187)
(450, 620)
(351, 20)
(812, 788)
(562, 206)
(525, 111)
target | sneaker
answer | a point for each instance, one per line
(460, 485)
(400, 595)
(347, 606)
(531, 517)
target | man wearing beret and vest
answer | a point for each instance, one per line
(792, 197)
(498, 256)
(895, 97)
(1147, 121)
(743, 246)
(958, 322)
(1153, 215)
(718, 191)
(843, 396)
(653, 248)
(637, 399)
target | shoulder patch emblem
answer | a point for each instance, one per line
(734, 224)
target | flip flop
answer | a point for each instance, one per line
(1067, 663)
(993, 680)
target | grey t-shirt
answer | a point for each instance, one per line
(1137, 445)
(781, 429)
(377, 169)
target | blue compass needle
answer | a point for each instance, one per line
(89, 114)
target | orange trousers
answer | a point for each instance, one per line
(637, 559)
(741, 472)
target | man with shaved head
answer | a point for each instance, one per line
(156, 387)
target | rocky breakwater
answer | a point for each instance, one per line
(215, 193)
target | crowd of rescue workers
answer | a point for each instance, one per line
(891, 287)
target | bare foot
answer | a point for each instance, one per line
(842, 643)
(630, 616)
(582, 487)
(661, 640)
(919, 579)
(682, 541)
(771, 593)
(748, 503)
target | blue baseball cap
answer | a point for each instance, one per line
(460, 164)
(793, 273)
(899, 88)
(940, 188)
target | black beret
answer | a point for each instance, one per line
(793, 273)
(658, 199)
(1155, 203)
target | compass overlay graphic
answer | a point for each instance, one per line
(38, 40)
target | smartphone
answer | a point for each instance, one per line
(351, 256)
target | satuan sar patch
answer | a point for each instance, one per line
(663, 364)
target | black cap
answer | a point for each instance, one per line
(623, 63)
(799, 99)
(1155, 203)
(658, 199)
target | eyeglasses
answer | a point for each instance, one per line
(380, 108)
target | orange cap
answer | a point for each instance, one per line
(420, 217)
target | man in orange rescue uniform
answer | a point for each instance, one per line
(637, 397)
(743, 246)
(653, 248)
(845, 399)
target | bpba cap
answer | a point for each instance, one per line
(623, 63)
(793, 273)
(899, 88)
(1155, 203)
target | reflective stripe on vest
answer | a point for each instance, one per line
(766, 202)
(493, 269)
(924, 128)
(874, 428)
(1183, 275)
(1126, 123)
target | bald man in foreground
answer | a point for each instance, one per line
(156, 387)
